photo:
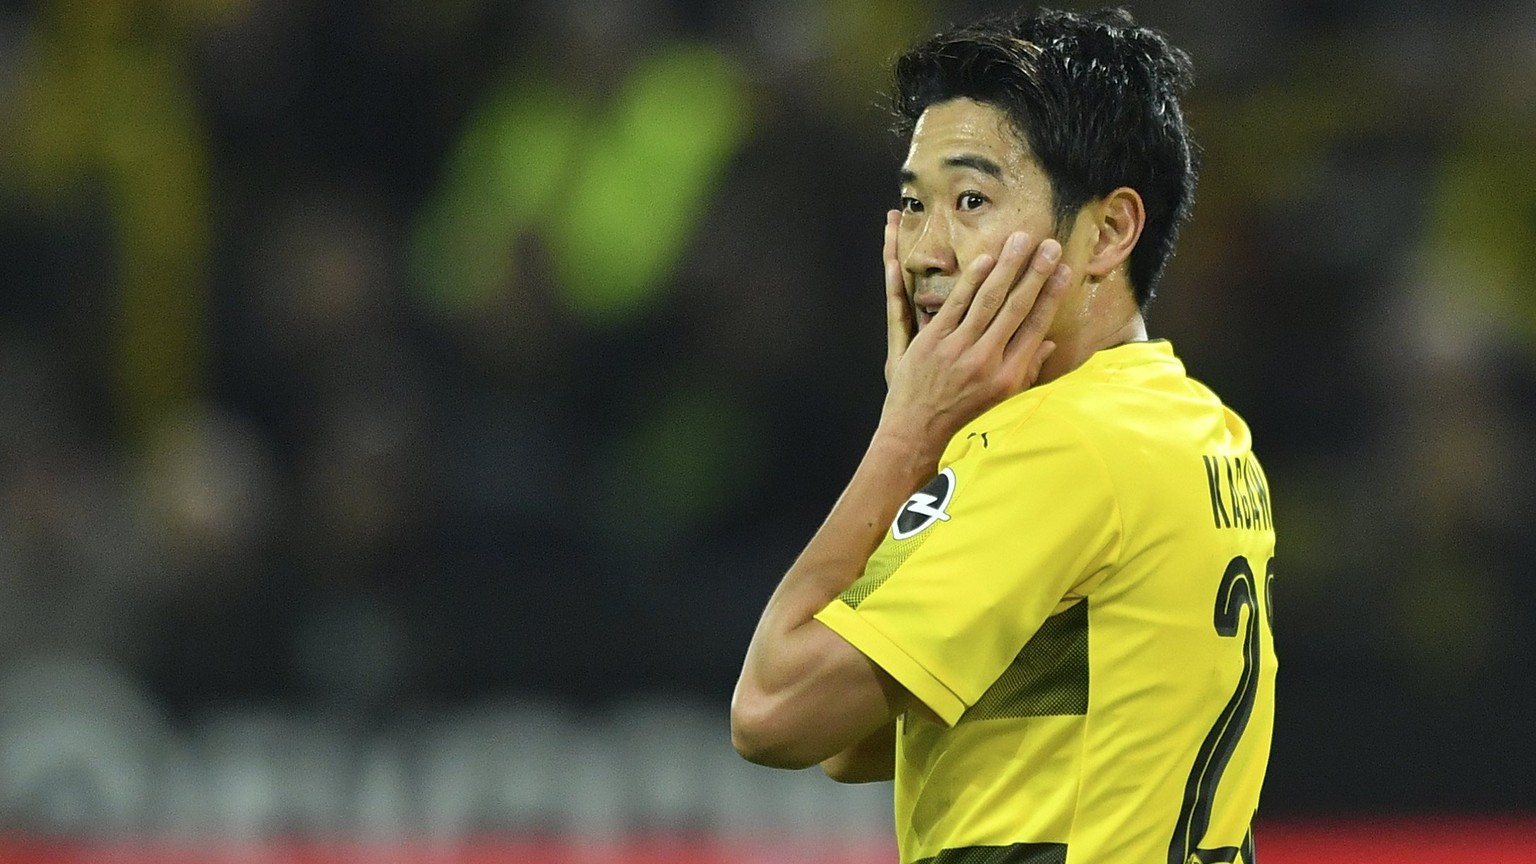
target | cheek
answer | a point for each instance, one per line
(990, 230)
(1032, 219)
(987, 234)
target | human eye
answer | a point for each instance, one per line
(909, 204)
(970, 200)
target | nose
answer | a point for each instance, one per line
(931, 253)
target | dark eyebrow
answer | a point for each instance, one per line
(976, 163)
(972, 161)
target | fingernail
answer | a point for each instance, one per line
(1050, 250)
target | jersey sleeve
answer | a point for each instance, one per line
(977, 559)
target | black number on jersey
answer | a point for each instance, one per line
(1237, 589)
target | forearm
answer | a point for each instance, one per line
(802, 698)
(890, 470)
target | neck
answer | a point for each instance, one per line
(1105, 315)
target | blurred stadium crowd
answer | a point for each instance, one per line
(382, 360)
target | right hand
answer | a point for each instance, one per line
(985, 344)
(900, 326)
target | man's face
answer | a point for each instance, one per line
(969, 181)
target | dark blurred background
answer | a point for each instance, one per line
(370, 368)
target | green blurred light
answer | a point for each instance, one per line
(634, 204)
(615, 195)
(500, 180)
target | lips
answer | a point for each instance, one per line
(926, 305)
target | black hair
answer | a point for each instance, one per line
(1096, 98)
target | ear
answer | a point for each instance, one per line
(1118, 218)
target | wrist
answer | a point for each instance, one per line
(915, 450)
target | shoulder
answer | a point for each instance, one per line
(1126, 407)
(1037, 451)
(1131, 397)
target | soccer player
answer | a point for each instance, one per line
(1043, 602)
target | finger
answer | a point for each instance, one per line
(957, 304)
(960, 305)
(892, 226)
(1027, 351)
(990, 294)
(1021, 296)
(899, 325)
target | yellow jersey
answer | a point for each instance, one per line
(1081, 598)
